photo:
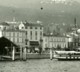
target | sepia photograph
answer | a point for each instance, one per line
(39, 36)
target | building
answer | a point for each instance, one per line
(4, 26)
(16, 36)
(12, 42)
(34, 33)
(13, 24)
(50, 41)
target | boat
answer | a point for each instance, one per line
(67, 55)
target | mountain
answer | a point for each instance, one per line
(54, 12)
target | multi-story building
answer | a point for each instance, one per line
(34, 33)
(50, 41)
(10, 39)
(16, 36)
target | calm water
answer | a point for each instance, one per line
(40, 65)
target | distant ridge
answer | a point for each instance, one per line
(51, 13)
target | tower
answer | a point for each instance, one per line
(75, 23)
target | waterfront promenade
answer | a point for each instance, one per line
(40, 65)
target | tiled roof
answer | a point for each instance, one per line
(32, 24)
(4, 24)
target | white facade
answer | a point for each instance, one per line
(21, 26)
(53, 42)
(33, 32)
(1, 33)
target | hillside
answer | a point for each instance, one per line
(52, 13)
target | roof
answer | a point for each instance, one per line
(6, 42)
(13, 23)
(13, 30)
(4, 24)
(32, 24)
(48, 35)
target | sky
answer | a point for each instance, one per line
(22, 3)
(19, 3)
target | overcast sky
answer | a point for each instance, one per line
(22, 3)
(19, 3)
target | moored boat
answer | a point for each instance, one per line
(67, 55)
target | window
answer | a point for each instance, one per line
(15, 34)
(58, 39)
(20, 34)
(15, 40)
(26, 41)
(22, 27)
(35, 27)
(7, 37)
(54, 39)
(41, 34)
(4, 28)
(36, 35)
(20, 39)
(26, 32)
(45, 45)
(11, 33)
(45, 39)
(30, 27)
(31, 35)
(11, 39)
(26, 27)
(7, 33)
(63, 39)
(23, 40)
(41, 28)
(0, 27)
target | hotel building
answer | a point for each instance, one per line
(34, 33)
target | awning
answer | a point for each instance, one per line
(34, 43)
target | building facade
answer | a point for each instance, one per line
(16, 36)
(50, 41)
(12, 40)
(34, 33)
